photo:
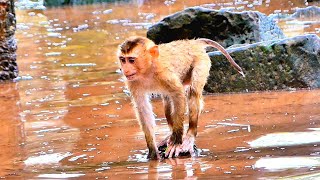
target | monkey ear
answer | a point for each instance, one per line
(154, 51)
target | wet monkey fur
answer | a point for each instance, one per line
(178, 71)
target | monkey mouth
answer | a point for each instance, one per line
(131, 76)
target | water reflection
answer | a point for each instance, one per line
(286, 139)
(60, 176)
(12, 130)
(284, 163)
(48, 159)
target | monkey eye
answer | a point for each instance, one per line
(122, 59)
(132, 60)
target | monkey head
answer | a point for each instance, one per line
(136, 55)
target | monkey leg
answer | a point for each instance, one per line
(194, 105)
(198, 79)
(145, 115)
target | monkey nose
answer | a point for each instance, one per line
(127, 73)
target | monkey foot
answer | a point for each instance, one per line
(163, 144)
(173, 150)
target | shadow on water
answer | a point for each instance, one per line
(69, 115)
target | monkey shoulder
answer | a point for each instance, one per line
(179, 44)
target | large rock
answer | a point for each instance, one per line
(308, 12)
(271, 65)
(8, 46)
(51, 3)
(225, 27)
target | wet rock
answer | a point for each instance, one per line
(8, 45)
(308, 12)
(52, 3)
(29, 4)
(225, 27)
(270, 65)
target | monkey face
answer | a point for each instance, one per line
(129, 67)
(136, 63)
(136, 55)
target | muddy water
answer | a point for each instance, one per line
(70, 117)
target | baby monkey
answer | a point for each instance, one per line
(178, 70)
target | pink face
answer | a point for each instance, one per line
(135, 61)
(129, 67)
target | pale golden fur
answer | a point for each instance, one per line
(169, 69)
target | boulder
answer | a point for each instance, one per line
(225, 27)
(270, 65)
(8, 45)
(308, 12)
(53, 3)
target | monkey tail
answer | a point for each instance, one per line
(224, 52)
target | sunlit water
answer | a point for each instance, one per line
(70, 117)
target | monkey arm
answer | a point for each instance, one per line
(175, 91)
(144, 113)
(179, 105)
(175, 140)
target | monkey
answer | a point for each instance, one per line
(178, 71)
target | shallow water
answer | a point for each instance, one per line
(70, 117)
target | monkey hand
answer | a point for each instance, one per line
(188, 144)
(153, 154)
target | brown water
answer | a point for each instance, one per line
(70, 117)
